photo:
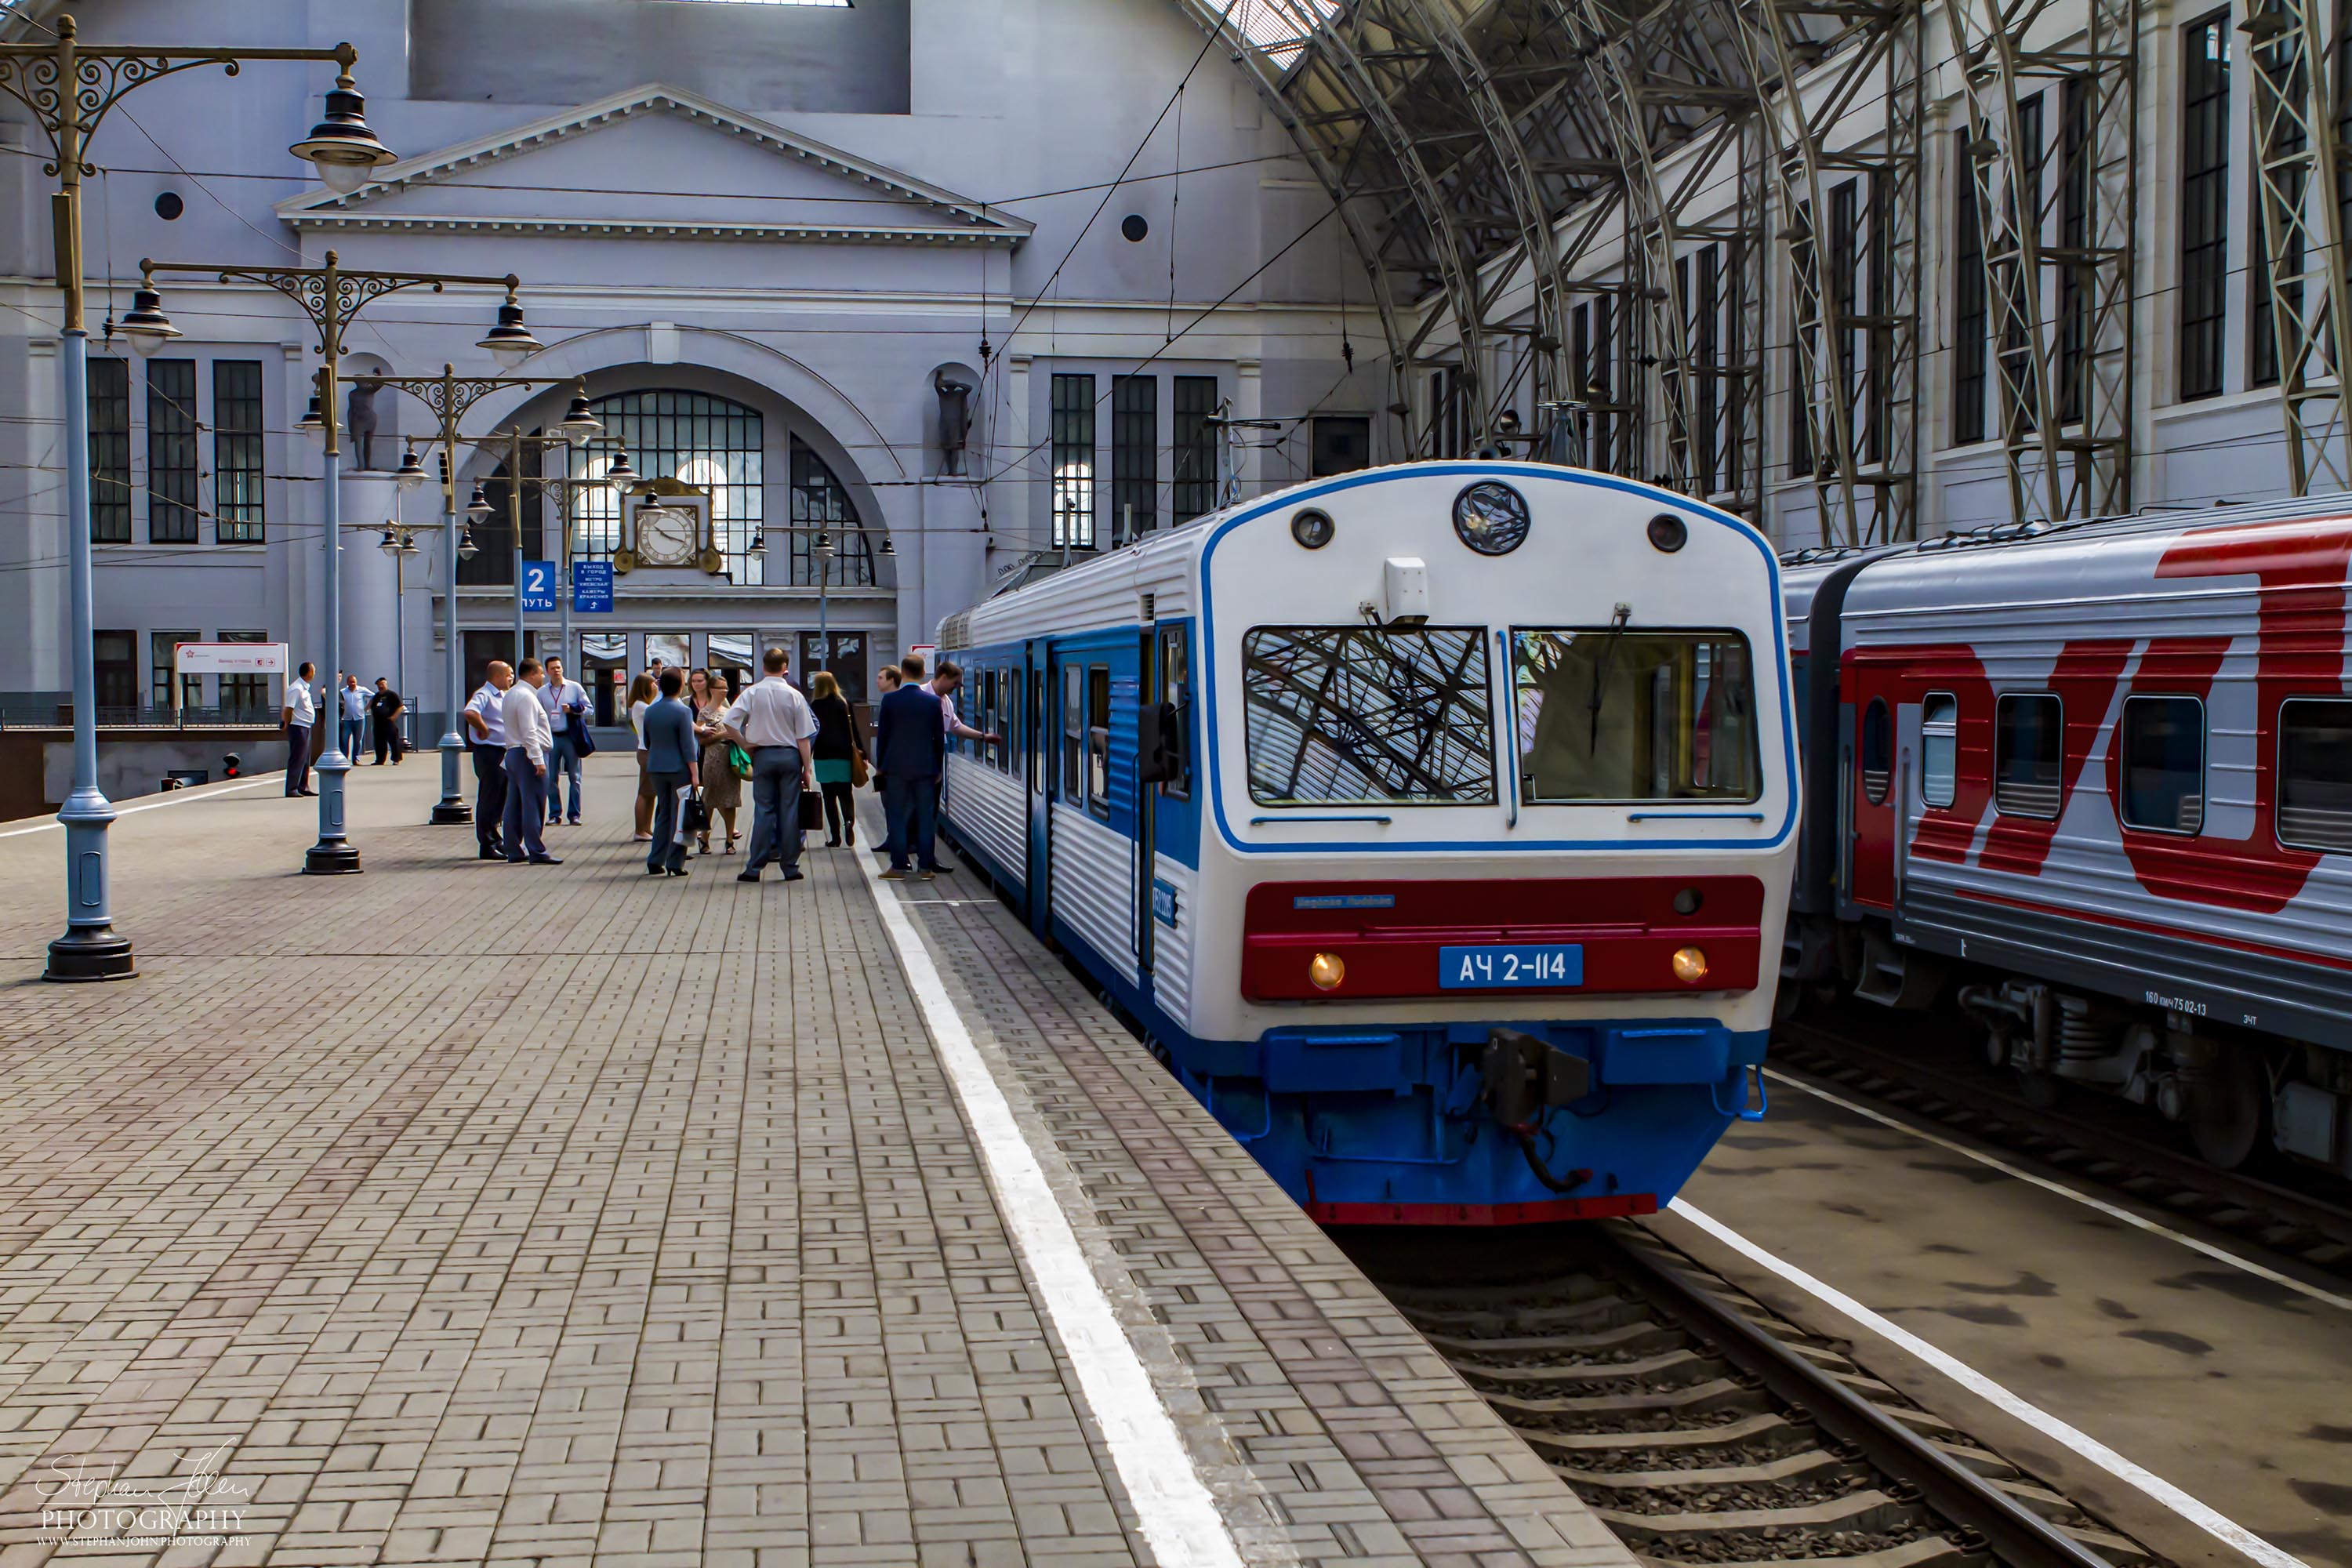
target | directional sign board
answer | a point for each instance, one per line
(592, 587)
(538, 585)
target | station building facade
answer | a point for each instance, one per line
(853, 269)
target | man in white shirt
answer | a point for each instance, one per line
(772, 721)
(529, 740)
(350, 719)
(301, 712)
(485, 732)
(567, 713)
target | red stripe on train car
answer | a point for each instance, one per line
(1548, 1212)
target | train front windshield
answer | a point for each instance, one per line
(1361, 715)
(1604, 714)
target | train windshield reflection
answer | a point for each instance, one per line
(1607, 714)
(1358, 715)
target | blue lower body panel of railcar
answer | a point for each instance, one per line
(1399, 1124)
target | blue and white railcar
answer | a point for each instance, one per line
(1430, 967)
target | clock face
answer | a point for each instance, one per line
(666, 536)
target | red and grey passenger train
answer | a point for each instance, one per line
(2091, 783)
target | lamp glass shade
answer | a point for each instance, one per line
(509, 342)
(391, 545)
(619, 472)
(411, 472)
(145, 324)
(888, 548)
(341, 146)
(579, 425)
(311, 419)
(466, 548)
(478, 509)
(758, 545)
(821, 546)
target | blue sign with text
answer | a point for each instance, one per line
(592, 587)
(538, 585)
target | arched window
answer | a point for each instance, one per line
(821, 503)
(692, 436)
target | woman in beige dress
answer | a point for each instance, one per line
(722, 792)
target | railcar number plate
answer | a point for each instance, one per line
(1487, 968)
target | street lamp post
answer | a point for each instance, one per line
(449, 396)
(821, 547)
(573, 430)
(330, 296)
(68, 86)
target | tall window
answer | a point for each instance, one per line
(2074, 235)
(1804, 257)
(244, 694)
(1845, 287)
(2204, 203)
(1969, 322)
(1194, 491)
(110, 452)
(821, 501)
(1134, 453)
(494, 536)
(171, 451)
(118, 667)
(690, 436)
(237, 451)
(161, 662)
(1073, 461)
(2016, 350)
(1706, 346)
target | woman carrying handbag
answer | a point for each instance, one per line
(840, 760)
(722, 784)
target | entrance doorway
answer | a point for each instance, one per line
(604, 671)
(845, 658)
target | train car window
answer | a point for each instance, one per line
(1176, 691)
(1605, 715)
(1357, 715)
(2027, 749)
(2314, 795)
(1877, 750)
(2163, 744)
(1009, 724)
(1939, 748)
(1098, 739)
(1074, 730)
(1039, 742)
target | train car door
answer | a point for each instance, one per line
(1039, 727)
(1871, 794)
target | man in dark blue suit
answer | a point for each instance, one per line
(909, 752)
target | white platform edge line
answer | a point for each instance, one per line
(179, 798)
(2206, 1248)
(2231, 1533)
(1177, 1513)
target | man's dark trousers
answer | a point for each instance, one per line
(775, 807)
(298, 758)
(668, 851)
(912, 804)
(387, 740)
(489, 795)
(526, 808)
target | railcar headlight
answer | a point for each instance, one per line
(1690, 965)
(1312, 528)
(1668, 532)
(1326, 970)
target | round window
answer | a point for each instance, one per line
(1491, 518)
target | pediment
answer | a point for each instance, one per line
(656, 162)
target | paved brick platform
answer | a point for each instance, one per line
(468, 1213)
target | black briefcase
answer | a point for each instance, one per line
(812, 810)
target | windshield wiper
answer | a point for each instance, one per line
(1601, 673)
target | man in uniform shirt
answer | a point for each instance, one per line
(529, 740)
(567, 711)
(301, 712)
(486, 728)
(772, 721)
(350, 718)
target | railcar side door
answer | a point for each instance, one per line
(1038, 726)
(1870, 786)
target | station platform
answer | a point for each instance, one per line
(460, 1212)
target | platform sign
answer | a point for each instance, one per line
(230, 658)
(592, 587)
(538, 585)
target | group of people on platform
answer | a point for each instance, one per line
(357, 713)
(698, 743)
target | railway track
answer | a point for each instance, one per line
(1704, 1429)
(2307, 1227)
